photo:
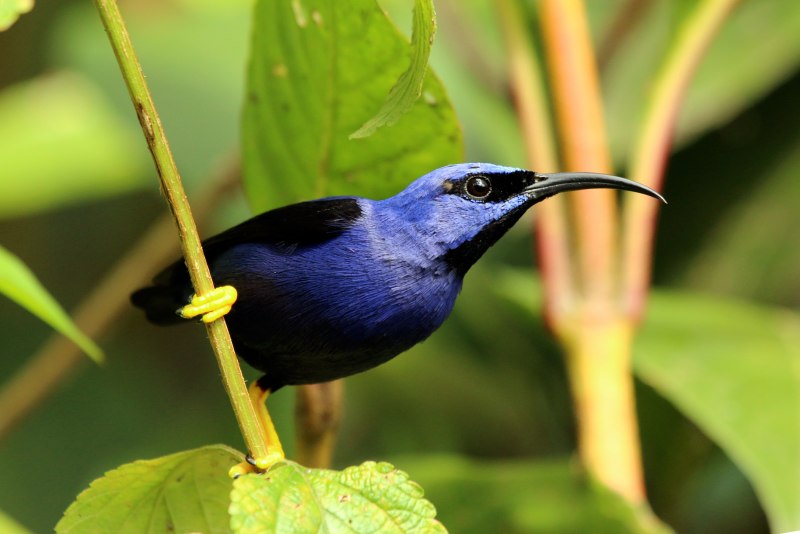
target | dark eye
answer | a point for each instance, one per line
(479, 187)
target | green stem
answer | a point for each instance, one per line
(648, 159)
(190, 240)
(37, 379)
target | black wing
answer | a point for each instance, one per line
(306, 223)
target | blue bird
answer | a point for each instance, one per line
(332, 287)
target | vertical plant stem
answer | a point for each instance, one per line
(596, 337)
(598, 363)
(648, 159)
(318, 412)
(578, 107)
(527, 87)
(190, 241)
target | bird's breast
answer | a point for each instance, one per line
(345, 307)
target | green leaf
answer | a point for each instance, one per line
(61, 143)
(409, 87)
(183, 492)
(372, 497)
(731, 367)
(19, 284)
(544, 496)
(8, 525)
(734, 369)
(10, 10)
(318, 70)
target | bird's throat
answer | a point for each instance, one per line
(464, 256)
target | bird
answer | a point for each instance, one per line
(327, 288)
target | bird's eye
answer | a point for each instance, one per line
(478, 187)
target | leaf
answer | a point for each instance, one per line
(543, 496)
(734, 369)
(409, 87)
(10, 10)
(318, 70)
(183, 492)
(61, 143)
(8, 525)
(19, 284)
(731, 367)
(372, 497)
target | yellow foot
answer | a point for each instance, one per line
(255, 466)
(212, 305)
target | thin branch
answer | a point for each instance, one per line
(648, 159)
(37, 379)
(190, 241)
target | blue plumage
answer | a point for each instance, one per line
(332, 287)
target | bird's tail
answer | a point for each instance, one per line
(160, 304)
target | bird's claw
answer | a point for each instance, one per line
(253, 465)
(212, 305)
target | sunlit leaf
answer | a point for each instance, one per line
(10, 10)
(409, 87)
(19, 284)
(372, 497)
(183, 492)
(318, 71)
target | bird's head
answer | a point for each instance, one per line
(464, 209)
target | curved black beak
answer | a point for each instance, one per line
(547, 185)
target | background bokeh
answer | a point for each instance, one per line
(77, 189)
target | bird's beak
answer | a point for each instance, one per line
(547, 185)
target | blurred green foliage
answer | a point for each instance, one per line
(10, 10)
(489, 384)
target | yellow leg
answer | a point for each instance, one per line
(212, 305)
(275, 454)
